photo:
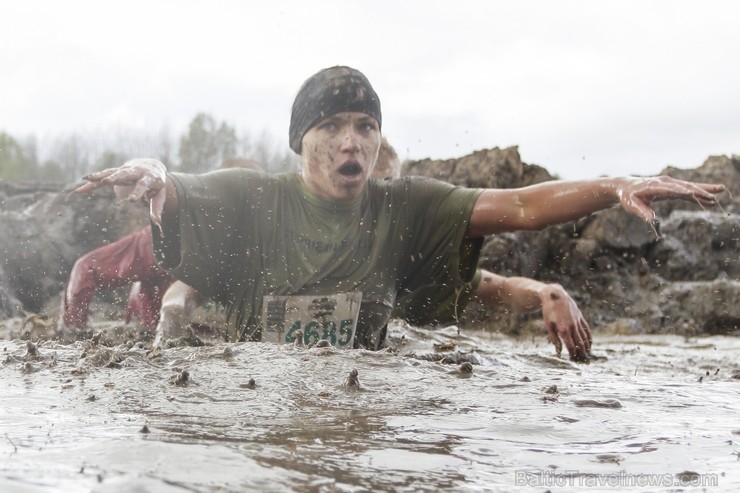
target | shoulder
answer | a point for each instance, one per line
(230, 180)
(417, 187)
(408, 183)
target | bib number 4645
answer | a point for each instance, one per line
(314, 331)
(331, 317)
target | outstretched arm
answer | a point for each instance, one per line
(138, 179)
(564, 322)
(554, 202)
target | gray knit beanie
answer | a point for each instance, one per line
(331, 91)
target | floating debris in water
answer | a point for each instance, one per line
(444, 346)
(32, 351)
(465, 369)
(96, 338)
(688, 476)
(298, 338)
(609, 458)
(352, 379)
(181, 379)
(606, 403)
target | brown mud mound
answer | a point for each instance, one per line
(621, 275)
(43, 230)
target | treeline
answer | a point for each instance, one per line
(203, 147)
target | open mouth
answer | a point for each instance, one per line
(351, 168)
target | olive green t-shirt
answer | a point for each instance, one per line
(436, 304)
(242, 235)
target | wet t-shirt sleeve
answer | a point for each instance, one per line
(437, 250)
(210, 230)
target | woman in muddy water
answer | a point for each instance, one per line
(328, 250)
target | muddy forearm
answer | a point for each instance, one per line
(554, 203)
(519, 294)
(523, 294)
(545, 204)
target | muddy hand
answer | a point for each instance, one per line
(637, 194)
(140, 179)
(565, 323)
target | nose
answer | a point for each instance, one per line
(350, 141)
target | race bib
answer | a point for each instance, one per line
(330, 317)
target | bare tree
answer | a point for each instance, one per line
(15, 164)
(206, 144)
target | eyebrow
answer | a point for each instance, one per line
(367, 119)
(338, 118)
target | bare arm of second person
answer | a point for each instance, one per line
(564, 322)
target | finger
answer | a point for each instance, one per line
(701, 198)
(584, 337)
(552, 334)
(709, 189)
(588, 335)
(566, 334)
(96, 180)
(122, 176)
(88, 187)
(703, 201)
(702, 193)
(142, 189)
(156, 206)
(639, 208)
(577, 346)
(99, 175)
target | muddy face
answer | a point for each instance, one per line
(339, 155)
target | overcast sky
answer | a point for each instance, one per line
(584, 88)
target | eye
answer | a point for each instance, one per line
(368, 126)
(328, 126)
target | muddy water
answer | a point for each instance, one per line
(651, 413)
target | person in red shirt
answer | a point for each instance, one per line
(130, 260)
